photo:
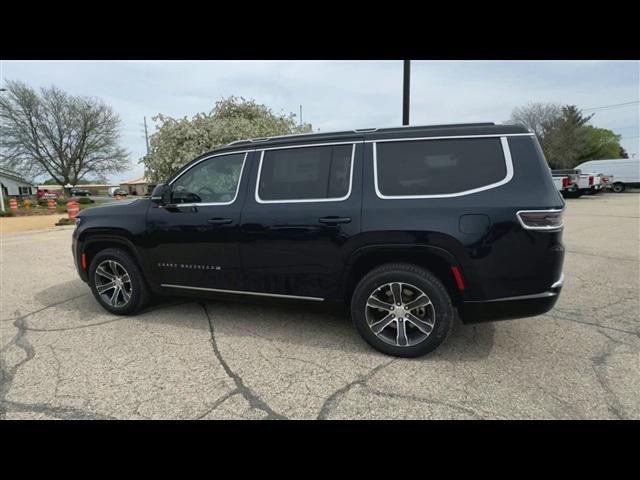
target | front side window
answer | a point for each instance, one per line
(306, 173)
(438, 167)
(214, 180)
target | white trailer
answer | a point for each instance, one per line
(625, 171)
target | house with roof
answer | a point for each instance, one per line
(13, 185)
(137, 186)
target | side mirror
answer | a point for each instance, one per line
(161, 193)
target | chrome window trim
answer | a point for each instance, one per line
(206, 204)
(308, 200)
(243, 292)
(507, 158)
(541, 229)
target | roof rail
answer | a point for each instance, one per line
(358, 130)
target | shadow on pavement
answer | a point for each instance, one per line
(300, 323)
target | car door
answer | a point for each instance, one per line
(193, 239)
(301, 218)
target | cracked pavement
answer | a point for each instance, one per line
(63, 357)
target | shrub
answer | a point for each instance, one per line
(7, 214)
(85, 200)
(62, 200)
(65, 221)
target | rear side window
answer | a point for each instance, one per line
(438, 167)
(306, 173)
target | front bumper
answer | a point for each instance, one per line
(512, 307)
(76, 250)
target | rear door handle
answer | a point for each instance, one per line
(334, 220)
(219, 221)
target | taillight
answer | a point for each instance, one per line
(590, 180)
(565, 182)
(541, 219)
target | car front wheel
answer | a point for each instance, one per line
(402, 310)
(116, 282)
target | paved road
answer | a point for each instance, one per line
(64, 357)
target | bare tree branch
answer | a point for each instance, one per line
(54, 133)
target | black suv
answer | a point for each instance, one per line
(409, 226)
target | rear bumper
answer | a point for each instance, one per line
(512, 307)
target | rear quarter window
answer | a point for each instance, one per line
(438, 167)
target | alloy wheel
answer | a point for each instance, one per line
(400, 314)
(113, 283)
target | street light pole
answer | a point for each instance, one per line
(406, 90)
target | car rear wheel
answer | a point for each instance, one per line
(402, 310)
(116, 282)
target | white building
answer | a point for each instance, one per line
(13, 185)
(137, 186)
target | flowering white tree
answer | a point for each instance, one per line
(178, 141)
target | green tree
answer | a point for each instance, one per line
(178, 141)
(565, 136)
(601, 144)
(566, 139)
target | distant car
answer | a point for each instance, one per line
(113, 191)
(567, 182)
(77, 192)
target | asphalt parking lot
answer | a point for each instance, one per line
(64, 357)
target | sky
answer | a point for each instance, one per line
(338, 95)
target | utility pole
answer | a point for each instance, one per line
(1, 190)
(146, 134)
(301, 115)
(406, 91)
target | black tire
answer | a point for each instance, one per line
(618, 187)
(443, 310)
(139, 291)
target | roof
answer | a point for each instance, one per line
(368, 134)
(136, 181)
(487, 128)
(13, 175)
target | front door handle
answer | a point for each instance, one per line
(334, 220)
(219, 221)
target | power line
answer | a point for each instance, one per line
(611, 107)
